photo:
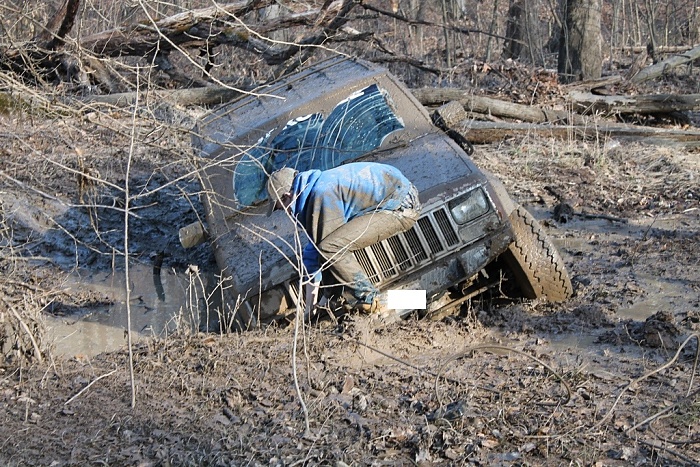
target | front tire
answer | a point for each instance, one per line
(535, 262)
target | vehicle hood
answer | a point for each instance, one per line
(257, 251)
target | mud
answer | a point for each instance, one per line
(605, 378)
(90, 235)
(160, 305)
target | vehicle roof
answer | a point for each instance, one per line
(250, 117)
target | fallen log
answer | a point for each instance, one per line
(660, 68)
(433, 97)
(596, 83)
(479, 132)
(210, 95)
(201, 29)
(587, 103)
(476, 132)
(662, 49)
(189, 28)
(215, 26)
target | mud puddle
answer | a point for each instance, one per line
(176, 302)
(661, 296)
(627, 268)
(160, 305)
(78, 250)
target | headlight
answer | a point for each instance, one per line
(469, 206)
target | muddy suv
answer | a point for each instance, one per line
(470, 238)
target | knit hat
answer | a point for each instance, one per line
(279, 183)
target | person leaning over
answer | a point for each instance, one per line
(344, 209)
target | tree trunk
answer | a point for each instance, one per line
(60, 24)
(513, 45)
(523, 39)
(580, 47)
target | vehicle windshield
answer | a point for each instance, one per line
(356, 126)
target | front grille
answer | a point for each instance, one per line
(433, 236)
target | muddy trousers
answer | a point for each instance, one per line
(346, 275)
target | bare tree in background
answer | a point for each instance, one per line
(580, 46)
(523, 38)
(513, 45)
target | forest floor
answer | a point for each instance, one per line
(605, 378)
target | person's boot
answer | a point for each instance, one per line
(367, 308)
(378, 310)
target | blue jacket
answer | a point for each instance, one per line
(325, 200)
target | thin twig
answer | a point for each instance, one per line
(88, 386)
(661, 412)
(670, 451)
(606, 217)
(299, 322)
(193, 62)
(409, 364)
(126, 245)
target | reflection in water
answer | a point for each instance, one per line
(160, 305)
(157, 279)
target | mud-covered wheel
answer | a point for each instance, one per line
(534, 261)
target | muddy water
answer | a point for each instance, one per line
(160, 305)
(656, 293)
(661, 296)
(84, 238)
(606, 255)
(175, 304)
